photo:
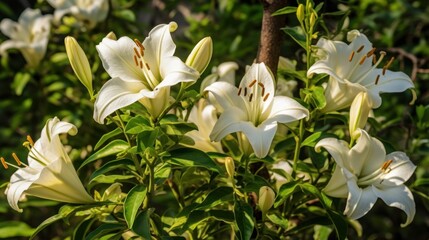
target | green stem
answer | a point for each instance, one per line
(297, 151)
(133, 157)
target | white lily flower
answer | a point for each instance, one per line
(50, 173)
(352, 69)
(140, 72)
(87, 12)
(204, 115)
(365, 173)
(253, 109)
(30, 35)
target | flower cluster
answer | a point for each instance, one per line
(363, 172)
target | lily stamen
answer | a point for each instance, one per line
(352, 54)
(360, 49)
(263, 92)
(376, 79)
(266, 97)
(16, 159)
(4, 163)
(362, 60)
(388, 65)
(370, 53)
(385, 167)
(239, 91)
(30, 140)
(250, 97)
(252, 83)
(245, 91)
(360, 78)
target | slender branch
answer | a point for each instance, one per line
(271, 35)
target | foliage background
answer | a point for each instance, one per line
(29, 97)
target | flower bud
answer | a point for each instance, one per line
(111, 35)
(79, 63)
(201, 55)
(266, 199)
(230, 166)
(313, 17)
(300, 14)
(359, 112)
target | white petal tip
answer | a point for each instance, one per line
(173, 26)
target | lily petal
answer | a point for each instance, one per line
(337, 185)
(231, 120)
(116, 94)
(399, 197)
(286, 110)
(260, 137)
(225, 94)
(367, 156)
(399, 171)
(359, 201)
(117, 57)
(337, 148)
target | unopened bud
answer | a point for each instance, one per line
(111, 35)
(313, 18)
(230, 166)
(79, 62)
(266, 199)
(201, 55)
(300, 14)
(359, 112)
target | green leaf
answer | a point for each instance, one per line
(108, 179)
(107, 136)
(125, 14)
(103, 230)
(147, 139)
(284, 192)
(243, 218)
(20, 81)
(338, 220)
(133, 202)
(285, 10)
(142, 223)
(191, 157)
(63, 213)
(114, 147)
(137, 125)
(282, 222)
(297, 35)
(216, 197)
(312, 140)
(113, 165)
(10, 229)
(81, 230)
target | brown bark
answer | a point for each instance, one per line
(271, 35)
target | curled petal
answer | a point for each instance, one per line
(337, 148)
(399, 197)
(231, 120)
(116, 94)
(399, 171)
